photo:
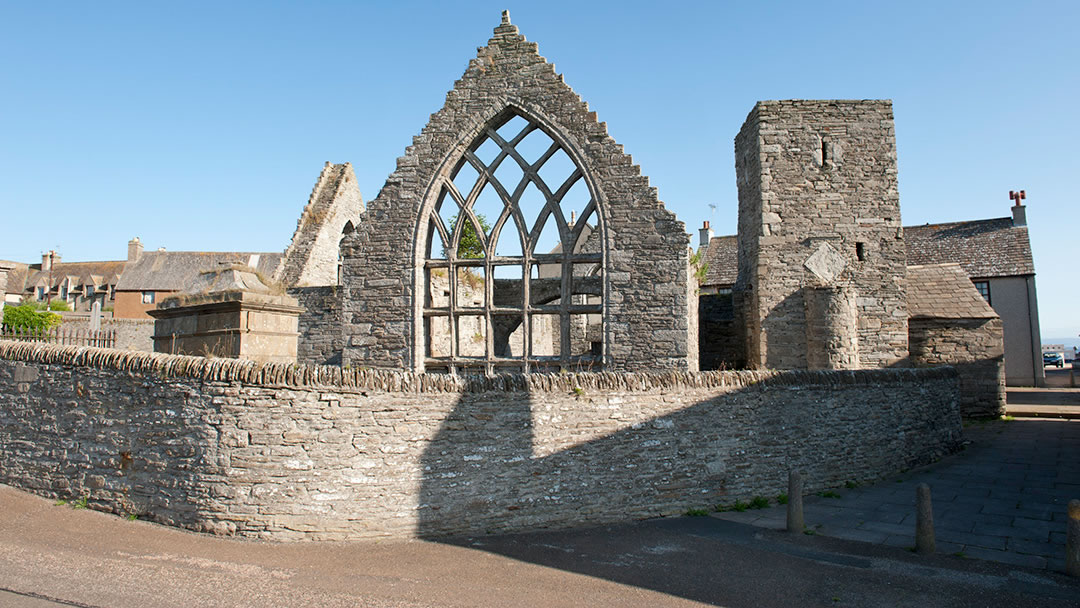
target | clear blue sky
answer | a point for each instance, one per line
(202, 126)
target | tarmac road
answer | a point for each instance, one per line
(56, 556)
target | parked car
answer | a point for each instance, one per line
(1054, 359)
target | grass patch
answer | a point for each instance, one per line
(781, 499)
(739, 506)
(851, 485)
(697, 512)
(759, 502)
(132, 517)
(80, 503)
(828, 494)
(60, 503)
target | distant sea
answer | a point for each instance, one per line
(1070, 343)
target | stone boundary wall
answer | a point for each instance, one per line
(131, 334)
(975, 347)
(321, 340)
(302, 452)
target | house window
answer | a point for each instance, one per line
(64, 292)
(40, 293)
(89, 291)
(112, 292)
(147, 297)
(984, 290)
(513, 273)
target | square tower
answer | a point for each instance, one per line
(821, 250)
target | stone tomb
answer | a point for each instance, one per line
(237, 316)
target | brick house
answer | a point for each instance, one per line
(151, 276)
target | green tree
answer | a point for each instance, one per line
(471, 245)
(25, 318)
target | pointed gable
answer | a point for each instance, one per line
(334, 207)
(644, 247)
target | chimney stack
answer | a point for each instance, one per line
(135, 249)
(705, 235)
(48, 260)
(1019, 211)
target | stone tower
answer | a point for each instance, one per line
(334, 208)
(821, 250)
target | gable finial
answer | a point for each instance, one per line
(506, 17)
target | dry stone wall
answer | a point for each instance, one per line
(819, 207)
(646, 317)
(975, 347)
(305, 452)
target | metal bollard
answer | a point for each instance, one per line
(1072, 539)
(795, 521)
(924, 520)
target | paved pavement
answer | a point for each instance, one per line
(1003, 498)
(1054, 402)
(55, 556)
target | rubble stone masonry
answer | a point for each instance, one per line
(976, 349)
(304, 452)
(335, 206)
(321, 340)
(646, 321)
(819, 207)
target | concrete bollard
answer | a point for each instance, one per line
(924, 520)
(795, 521)
(1072, 539)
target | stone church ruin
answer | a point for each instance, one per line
(507, 337)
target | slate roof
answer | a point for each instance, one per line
(16, 277)
(944, 291)
(76, 270)
(985, 248)
(177, 270)
(723, 260)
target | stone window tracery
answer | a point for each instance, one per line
(513, 270)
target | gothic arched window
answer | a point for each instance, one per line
(513, 271)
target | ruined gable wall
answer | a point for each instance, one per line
(820, 176)
(312, 257)
(647, 319)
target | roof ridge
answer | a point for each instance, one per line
(990, 219)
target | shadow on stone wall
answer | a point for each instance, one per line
(492, 468)
(499, 463)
